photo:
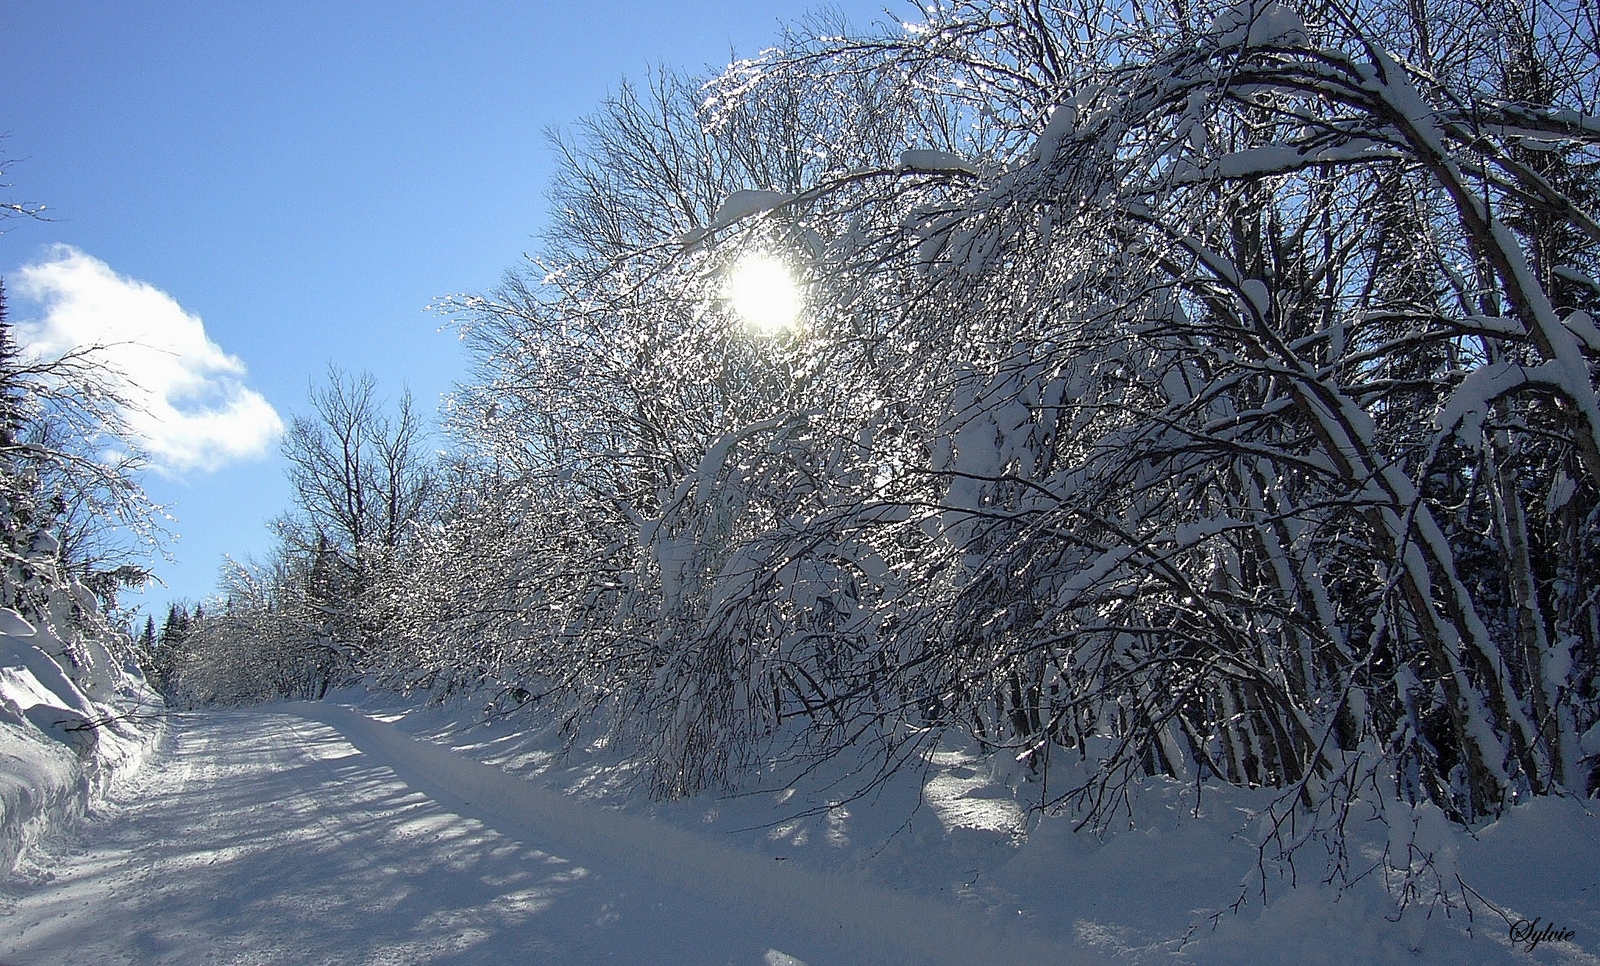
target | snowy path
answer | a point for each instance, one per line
(312, 834)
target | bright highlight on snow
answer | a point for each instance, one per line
(764, 294)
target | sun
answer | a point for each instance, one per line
(764, 294)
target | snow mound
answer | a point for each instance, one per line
(43, 787)
(751, 201)
(63, 734)
(1256, 24)
(1182, 881)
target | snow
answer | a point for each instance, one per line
(58, 746)
(322, 834)
(1256, 24)
(313, 834)
(1468, 406)
(13, 624)
(35, 677)
(736, 207)
(743, 204)
(1271, 159)
(936, 161)
(1061, 126)
(1562, 489)
(42, 789)
(1582, 325)
(1590, 742)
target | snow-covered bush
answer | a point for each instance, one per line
(74, 707)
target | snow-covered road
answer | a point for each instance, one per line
(314, 834)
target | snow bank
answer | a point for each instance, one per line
(683, 858)
(43, 786)
(58, 745)
(1181, 882)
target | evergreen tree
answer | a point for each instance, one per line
(176, 627)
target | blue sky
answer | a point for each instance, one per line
(302, 179)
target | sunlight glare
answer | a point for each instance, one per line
(764, 294)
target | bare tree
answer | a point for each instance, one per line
(360, 475)
(362, 481)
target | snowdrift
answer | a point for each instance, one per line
(67, 725)
(1181, 880)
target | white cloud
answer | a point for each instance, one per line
(193, 410)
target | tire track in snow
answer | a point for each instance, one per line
(236, 845)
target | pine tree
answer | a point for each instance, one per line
(176, 627)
